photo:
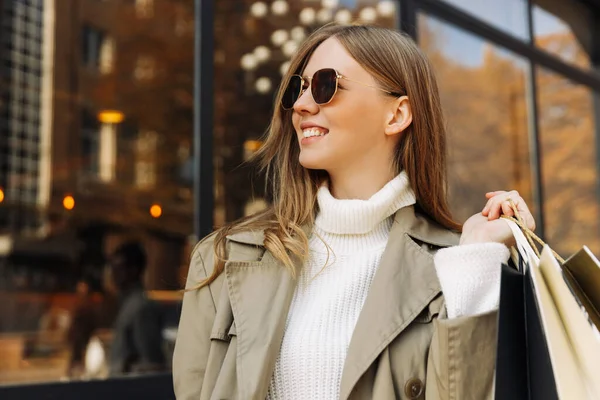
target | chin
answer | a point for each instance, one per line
(312, 162)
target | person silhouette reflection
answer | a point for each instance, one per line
(137, 345)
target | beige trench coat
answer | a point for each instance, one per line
(403, 346)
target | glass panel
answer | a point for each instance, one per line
(484, 99)
(247, 74)
(96, 136)
(557, 36)
(569, 162)
(509, 15)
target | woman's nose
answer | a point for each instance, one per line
(306, 103)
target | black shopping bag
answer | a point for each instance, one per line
(523, 365)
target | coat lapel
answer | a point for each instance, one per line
(405, 283)
(260, 293)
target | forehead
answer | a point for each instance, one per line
(331, 54)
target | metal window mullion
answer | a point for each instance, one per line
(407, 17)
(533, 129)
(203, 116)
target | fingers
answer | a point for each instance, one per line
(527, 216)
(494, 201)
(489, 195)
(507, 209)
(498, 204)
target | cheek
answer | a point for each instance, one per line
(357, 123)
(296, 121)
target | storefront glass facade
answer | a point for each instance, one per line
(101, 142)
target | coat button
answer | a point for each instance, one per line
(413, 388)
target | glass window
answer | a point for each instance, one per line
(126, 146)
(90, 130)
(62, 285)
(247, 74)
(569, 164)
(144, 8)
(509, 15)
(145, 161)
(483, 91)
(560, 37)
(92, 41)
(106, 56)
(145, 68)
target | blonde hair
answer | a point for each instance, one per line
(398, 66)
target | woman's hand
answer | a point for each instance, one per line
(486, 226)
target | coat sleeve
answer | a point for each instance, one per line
(462, 357)
(193, 336)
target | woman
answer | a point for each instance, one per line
(333, 291)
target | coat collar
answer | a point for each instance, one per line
(255, 238)
(404, 284)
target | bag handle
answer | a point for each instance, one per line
(529, 234)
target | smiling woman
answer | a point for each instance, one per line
(351, 282)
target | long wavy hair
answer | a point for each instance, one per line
(398, 66)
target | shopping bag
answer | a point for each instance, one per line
(581, 335)
(582, 274)
(523, 365)
(546, 348)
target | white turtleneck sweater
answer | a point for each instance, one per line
(333, 285)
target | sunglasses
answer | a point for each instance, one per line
(323, 87)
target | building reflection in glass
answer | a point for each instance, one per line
(96, 119)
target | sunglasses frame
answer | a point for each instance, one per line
(338, 76)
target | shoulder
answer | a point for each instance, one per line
(205, 245)
(202, 258)
(244, 245)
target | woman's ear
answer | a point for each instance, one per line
(400, 117)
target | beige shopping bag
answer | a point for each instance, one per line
(582, 273)
(581, 335)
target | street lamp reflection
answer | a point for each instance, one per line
(68, 202)
(111, 116)
(156, 211)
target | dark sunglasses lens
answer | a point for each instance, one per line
(324, 85)
(291, 92)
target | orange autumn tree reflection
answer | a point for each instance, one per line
(484, 106)
(486, 112)
(568, 155)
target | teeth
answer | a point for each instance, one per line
(312, 132)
